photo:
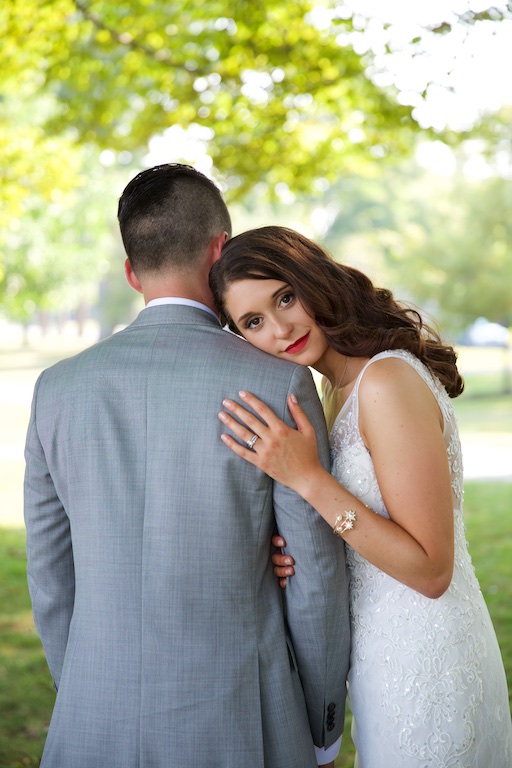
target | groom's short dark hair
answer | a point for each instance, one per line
(167, 215)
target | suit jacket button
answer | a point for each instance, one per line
(330, 726)
(331, 707)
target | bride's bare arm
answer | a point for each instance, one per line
(402, 428)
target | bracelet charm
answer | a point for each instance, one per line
(344, 522)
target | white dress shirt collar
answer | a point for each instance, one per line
(179, 300)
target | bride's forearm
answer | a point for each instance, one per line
(379, 540)
(419, 552)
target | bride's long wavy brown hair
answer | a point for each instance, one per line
(359, 319)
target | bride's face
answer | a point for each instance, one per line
(271, 317)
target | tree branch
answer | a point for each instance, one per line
(125, 38)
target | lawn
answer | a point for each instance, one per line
(26, 691)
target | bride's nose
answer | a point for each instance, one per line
(282, 330)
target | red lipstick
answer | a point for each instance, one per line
(297, 345)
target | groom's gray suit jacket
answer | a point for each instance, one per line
(149, 546)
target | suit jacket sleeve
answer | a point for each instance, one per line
(50, 568)
(316, 598)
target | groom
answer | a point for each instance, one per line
(149, 543)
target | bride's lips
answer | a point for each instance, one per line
(297, 345)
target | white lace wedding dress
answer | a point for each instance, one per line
(427, 686)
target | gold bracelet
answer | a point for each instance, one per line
(344, 522)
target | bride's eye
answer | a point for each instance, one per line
(253, 323)
(286, 298)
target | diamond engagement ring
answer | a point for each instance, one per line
(250, 443)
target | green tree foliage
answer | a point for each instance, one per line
(470, 16)
(441, 242)
(56, 254)
(34, 160)
(457, 258)
(278, 90)
(278, 87)
(280, 95)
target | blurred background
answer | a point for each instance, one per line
(381, 128)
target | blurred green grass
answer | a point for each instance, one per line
(486, 403)
(479, 411)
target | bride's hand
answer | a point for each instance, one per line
(282, 563)
(287, 455)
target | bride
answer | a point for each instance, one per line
(427, 686)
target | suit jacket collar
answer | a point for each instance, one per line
(175, 313)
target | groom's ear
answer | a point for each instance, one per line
(216, 244)
(132, 278)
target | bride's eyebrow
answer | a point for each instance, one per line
(276, 293)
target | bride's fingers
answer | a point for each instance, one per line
(278, 558)
(266, 413)
(282, 572)
(299, 416)
(281, 566)
(249, 420)
(240, 430)
(240, 450)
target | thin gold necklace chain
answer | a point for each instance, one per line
(340, 383)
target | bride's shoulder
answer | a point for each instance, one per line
(390, 373)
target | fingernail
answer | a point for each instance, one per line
(224, 439)
(288, 571)
(293, 398)
(226, 403)
(242, 393)
(222, 416)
